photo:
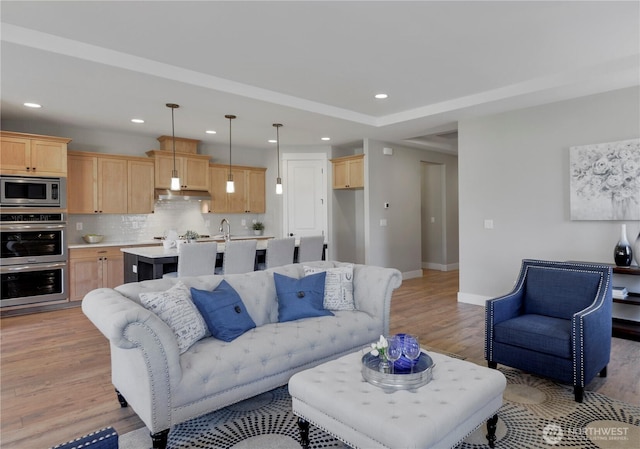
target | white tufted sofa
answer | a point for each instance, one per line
(165, 388)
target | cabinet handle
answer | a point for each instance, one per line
(33, 168)
(28, 168)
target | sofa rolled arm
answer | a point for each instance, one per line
(121, 320)
(373, 287)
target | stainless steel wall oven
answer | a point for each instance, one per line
(34, 258)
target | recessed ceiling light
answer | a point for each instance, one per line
(381, 96)
(210, 131)
(32, 105)
(272, 141)
(325, 138)
(137, 120)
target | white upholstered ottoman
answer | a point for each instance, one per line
(334, 397)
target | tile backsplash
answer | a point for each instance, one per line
(178, 215)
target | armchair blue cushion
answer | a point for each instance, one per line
(556, 322)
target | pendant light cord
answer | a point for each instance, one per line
(278, 147)
(230, 117)
(173, 135)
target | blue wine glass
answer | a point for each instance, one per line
(411, 348)
(394, 351)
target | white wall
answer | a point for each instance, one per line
(396, 179)
(514, 170)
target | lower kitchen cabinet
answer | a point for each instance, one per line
(91, 268)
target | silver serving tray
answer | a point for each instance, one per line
(422, 374)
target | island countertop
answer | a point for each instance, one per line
(152, 262)
(157, 252)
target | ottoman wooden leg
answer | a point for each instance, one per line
(304, 433)
(492, 424)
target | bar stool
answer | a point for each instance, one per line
(279, 252)
(195, 259)
(239, 256)
(310, 248)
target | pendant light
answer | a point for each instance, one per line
(278, 179)
(230, 186)
(175, 180)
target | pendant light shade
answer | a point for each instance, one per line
(230, 185)
(175, 179)
(278, 179)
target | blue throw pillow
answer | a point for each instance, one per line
(300, 298)
(223, 311)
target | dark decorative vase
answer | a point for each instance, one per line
(622, 253)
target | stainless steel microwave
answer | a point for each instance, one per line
(27, 191)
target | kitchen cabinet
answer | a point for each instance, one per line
(193, 169)
(91, 268)
(33, 155)
(348, 172)
(109, 184)
(249, 195)
(97, 184)
(140, 185)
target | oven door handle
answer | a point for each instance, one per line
(32, 267)
(34, 227)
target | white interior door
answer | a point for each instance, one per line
(305, 205)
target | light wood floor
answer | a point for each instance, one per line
(55, 366)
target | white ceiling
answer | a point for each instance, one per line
(313, 66)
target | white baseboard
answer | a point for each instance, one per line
(412, 274)
(470, 298)
(440, 267)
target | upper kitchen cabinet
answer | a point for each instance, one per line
(33, 155)
(140, 185)
(249, 195)
(348, 172)
(193, 169)
(109, 184)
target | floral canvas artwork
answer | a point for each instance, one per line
(605, 181)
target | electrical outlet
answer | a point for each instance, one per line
(243, 222)
(488, 224)
(79, 226)
(383, 222)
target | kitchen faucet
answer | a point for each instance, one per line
(226, 235)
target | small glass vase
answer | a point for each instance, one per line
(384, 366)
(622, 253)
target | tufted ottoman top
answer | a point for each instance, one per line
(333, 396)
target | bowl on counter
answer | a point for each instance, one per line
(92, 238)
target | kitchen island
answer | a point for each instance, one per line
(151, 262)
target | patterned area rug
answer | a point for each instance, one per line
(536, 413)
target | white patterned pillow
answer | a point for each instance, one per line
(338, 286)
(176, 308)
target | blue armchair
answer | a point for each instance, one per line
(556, 323)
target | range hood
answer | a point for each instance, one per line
(181, 195)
